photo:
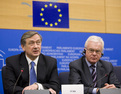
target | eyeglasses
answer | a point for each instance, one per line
(92, 51)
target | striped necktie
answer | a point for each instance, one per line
(33, 77)
(94, 75)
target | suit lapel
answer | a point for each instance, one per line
(24, 64)
(87, 73)
(41, 69)
(100, 73)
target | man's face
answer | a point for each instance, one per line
(93, 51)
(32, 47)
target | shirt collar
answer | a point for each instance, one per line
(29, 60)
(89, 63)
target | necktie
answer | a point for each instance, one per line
(33, 77)
(94, 76)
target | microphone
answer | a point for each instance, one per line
(96, 82)
(22, 70)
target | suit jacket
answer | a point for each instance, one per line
(80, 74)
(47, 73)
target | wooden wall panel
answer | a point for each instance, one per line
(89, 15)
(101, 16)
(113, 16)
(84, 15)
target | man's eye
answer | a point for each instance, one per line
(38, 42)
(97, 51)
(31, 43)
(91, 50)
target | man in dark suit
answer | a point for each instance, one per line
(45, 67)
(89, 68)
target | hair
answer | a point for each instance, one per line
(95, 39)
(28, 34)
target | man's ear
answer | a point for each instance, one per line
(23, 47)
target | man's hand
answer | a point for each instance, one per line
(31, 87)
(52, 91)
(109, 86)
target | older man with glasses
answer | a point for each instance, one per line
(92, 72)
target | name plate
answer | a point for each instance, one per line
(72, 89)
(110, 91)
(36, 92)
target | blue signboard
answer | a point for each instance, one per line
(64, 46)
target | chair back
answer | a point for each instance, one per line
(63, 77)
(4, 78)
(117, 70)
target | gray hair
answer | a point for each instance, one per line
(28, 34)
(95, 39)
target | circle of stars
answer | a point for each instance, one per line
(44, 20)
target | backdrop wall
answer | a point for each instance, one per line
(100, 16)
(64, 46)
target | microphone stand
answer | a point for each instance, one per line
(17, 79)
(96, 82)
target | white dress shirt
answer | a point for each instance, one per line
(35, 67)
(95, 89)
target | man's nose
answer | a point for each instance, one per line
(35, 45)
(94, 53)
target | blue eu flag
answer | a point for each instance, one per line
(50, 14)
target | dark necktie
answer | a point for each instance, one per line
(33, 77)
(94, 75)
